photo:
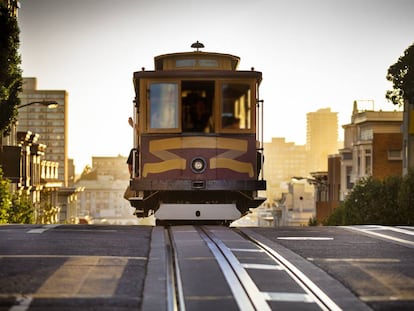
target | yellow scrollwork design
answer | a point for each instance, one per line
(162, 148)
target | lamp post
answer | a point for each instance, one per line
(49, 103)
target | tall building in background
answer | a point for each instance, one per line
(50, 123)
(321, 138)
(283, 160)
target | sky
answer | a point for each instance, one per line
(313, 54)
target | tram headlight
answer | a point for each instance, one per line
(198, 165)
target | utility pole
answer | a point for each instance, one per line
(408, 137)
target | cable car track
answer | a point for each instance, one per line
(195, 254)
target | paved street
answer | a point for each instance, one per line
(73, 267)
(86, 267)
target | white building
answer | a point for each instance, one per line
(102, 200)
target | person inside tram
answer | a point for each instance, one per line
(200, 116)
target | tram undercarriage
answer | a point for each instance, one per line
(195, 205)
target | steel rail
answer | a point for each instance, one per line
(310, 287)
(175, 296)
(245, 291)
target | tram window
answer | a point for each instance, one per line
(197, 106)
(185, 63)
(211, 63)
(236, 106)
(163, 99)
(208, 63)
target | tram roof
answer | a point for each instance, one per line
(194, 74)
(196, 60)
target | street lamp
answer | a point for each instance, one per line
(51, 104)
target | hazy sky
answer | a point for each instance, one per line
(313, 54)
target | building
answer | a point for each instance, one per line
(298, 206)
(282, 161)
(327, 188)
(34, 155)
(321, 138)
(23, 163)
(102, 199)
(112, 166)
(372, 147)
(51, 124)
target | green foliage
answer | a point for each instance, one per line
(373, 201)
(337, 218)
(406, 198)
(5, 198)
(390, 211)
(313, 221)
(10, 72)
(22, 211)
(14, 208)
(401, 74)
(361, 205)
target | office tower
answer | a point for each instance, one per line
(321, 138)
(51, 123)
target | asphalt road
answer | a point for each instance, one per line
(376, 263)
(87, 267)
(76, 267)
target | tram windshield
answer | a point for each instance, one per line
(194, 106)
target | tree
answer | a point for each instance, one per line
(406, 198)
(22, 211)
(10, 73)
(362, 205)
(374, 201)
(401, 74)
(14, 207)
(5, 198)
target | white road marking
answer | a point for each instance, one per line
(381, 235)
(305, 238)
(43, 228)
(288, 297)
(261, 266)
(363, 260)
(248, 250)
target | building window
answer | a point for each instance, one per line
(359, 164)
(368, 166)
(349, 183)
(367, 134)
(395, 155)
